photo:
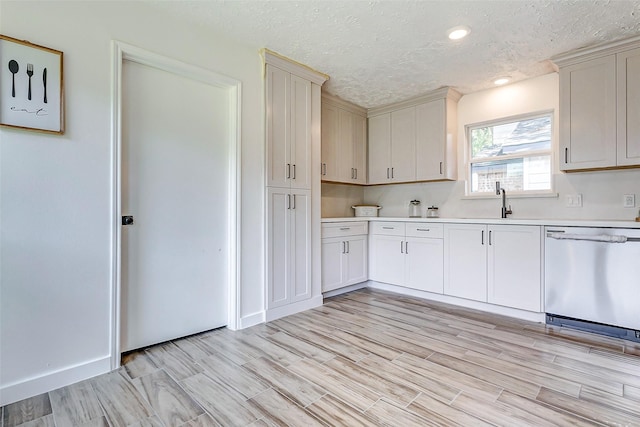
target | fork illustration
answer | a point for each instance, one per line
(29, 73)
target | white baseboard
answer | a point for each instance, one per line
(346, 289)
(461, 302)
(287, 310)
(51, 381)
(252, 319)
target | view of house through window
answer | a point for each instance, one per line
(517, 153)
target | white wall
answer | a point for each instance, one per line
(602, 190)
(55, 192)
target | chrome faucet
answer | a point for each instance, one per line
(500, 190)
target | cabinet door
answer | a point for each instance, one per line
(424, 264)
(465, 261)
(430, 140)
(329, 143)
(300, 247)
(379, 169)
(387, 259)
(356, 268)
(278, 247)
(278, 127)
(300, 133)
(403, 145)
(514, 266)
(628, 68)
(588, 114)
(346, 171)
(360, 149)
(333, 251)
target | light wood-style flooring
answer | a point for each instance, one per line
(365, 358)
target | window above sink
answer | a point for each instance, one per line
(515, 151)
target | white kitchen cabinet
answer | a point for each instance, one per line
(344, 261)
(392, 147)
(344, 142)
(436, 139)
(288, 129)
(599, 107)
(514, 273)
(288, 246)
(344, 254)
(330, 141)
(424, 250)
(588, 115)
(414, 140)
(359, 160)
(379, 149)
(498, 264)
(293, 239)
(465, 261)
(403, 145)
(628, 68)
(409, 255)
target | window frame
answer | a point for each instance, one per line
(469, 160)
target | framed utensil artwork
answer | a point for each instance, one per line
(31, 86)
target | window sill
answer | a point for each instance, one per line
(511, 196)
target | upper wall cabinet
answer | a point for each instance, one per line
(344, 141)
(414, 140)
(288, 129)
(628, 68)
(600, 107)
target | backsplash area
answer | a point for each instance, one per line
(602, 198)
(337, 199)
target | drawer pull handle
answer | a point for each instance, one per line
(388, 228)
(423, 229)
(345, 228)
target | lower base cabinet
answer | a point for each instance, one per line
(408, 255)
(344, 254)
(514, 266)
(498, 264)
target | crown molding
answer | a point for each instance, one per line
(345, 105)
(592, 52)
(442, 93)
(273, 58)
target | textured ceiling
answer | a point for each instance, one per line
(379, 52)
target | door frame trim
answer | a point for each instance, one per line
(120, 52)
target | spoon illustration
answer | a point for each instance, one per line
(13, 67)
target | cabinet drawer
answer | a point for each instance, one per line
(388, 228)
(434, 231)
(340, 229)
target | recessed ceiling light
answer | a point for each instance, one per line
(502, 80)
(456, 33)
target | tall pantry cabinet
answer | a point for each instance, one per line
(293, 186)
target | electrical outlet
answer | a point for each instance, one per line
(573, 200)
(629, 200)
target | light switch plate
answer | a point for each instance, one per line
(629, 200)
(573, 200)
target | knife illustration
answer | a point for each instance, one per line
(44, 83)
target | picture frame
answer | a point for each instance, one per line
(31, 86)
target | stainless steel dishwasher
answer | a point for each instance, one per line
(592, 279)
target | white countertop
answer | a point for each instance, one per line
(552, 222)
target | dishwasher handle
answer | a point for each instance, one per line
(606, 238)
